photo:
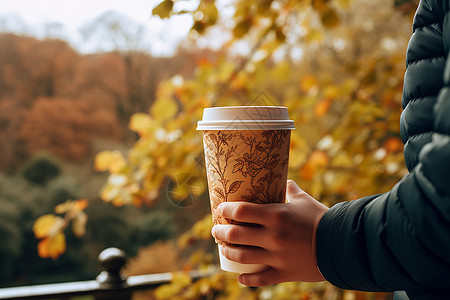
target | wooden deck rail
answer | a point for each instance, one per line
(110, 284)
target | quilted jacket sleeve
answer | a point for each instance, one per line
(399, 240)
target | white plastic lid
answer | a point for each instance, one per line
(245, 118)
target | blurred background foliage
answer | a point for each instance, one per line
(118, 126)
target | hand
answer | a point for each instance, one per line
(284, 241)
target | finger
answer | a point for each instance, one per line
(237, 234)
(267, 277)
(246, 212)
(245, 254)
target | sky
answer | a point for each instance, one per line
(161, 35)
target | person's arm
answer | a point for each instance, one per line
(401, 239)
(397, 240)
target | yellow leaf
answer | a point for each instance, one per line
(170, 291)
(111, 161)
(64, 207)
(141, 123)
(166, 291)
(242, 28)
(47, 225)
(393, 144)
(79, 224)
(280, 36)
(240, 81)
(202, 229)
(185, 239)
(308, 82)
(343, 3)
(181, 279)
(329, 18)
(321, 108)
(163, 9)
(331, 92)
(319, 5)
(314, 35)
(52, 246)
(164, 109)
(317, 160)
(207, 13)
(81, 204)
(69, 205)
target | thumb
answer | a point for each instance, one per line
(293, 191)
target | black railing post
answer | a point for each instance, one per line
(113, 284)
(110, 284)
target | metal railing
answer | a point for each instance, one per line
(110, 284)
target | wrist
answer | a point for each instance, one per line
(314, 243)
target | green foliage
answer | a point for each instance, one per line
(11, 245)
(128, 228)
(21, 206)
(157, 225)
(41, 169)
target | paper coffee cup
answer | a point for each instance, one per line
(246, 154)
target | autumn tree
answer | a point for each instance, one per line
(343, 94)
(66, 127)
(29, 69)
(33, 68)
(11, 114)
(337, 65)
(132, 82)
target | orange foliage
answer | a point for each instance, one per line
(318, 159)
(52, 246)
(105, 89)
(11, 117)
(66, 127)
(321, 108)
(393, 144)
(159, 257)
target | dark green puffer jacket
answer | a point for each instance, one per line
(400, 240)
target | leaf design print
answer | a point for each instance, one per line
(218, 153)
(234, 187)
(239, 165)
(219, 193)
(245, 166)
(215, 202)
(213, 137)
(259, 162)
(223, 181)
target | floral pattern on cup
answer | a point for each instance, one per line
(246, 165)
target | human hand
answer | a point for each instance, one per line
(284, 241)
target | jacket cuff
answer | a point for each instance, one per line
(325, 245)
(341, 256)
